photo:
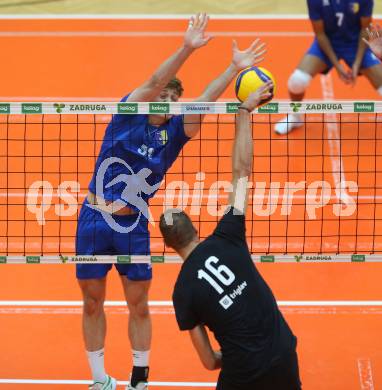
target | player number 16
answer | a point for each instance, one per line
(222, 273)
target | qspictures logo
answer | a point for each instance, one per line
(135, 184)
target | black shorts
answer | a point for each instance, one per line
(284, 375)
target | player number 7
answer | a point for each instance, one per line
(340, 18)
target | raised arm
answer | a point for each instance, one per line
(242, 154)
(240, 60)
(194, 38)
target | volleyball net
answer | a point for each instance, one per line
(315, 194)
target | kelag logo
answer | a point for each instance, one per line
(5, 108)
(31, 108)
(231, 108)
(159, 108)
(363, 106)
(33, 259)
(127, 108)
(270, 108)
(267, 259)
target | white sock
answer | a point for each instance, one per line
(379, 90)
(141, 358)
(294, 117)
(97, 365)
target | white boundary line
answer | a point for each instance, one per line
(154, 34)
(302, 16)
(169, 303)
(365, 374)
(87, 382)
(152, 17)
(334, 139)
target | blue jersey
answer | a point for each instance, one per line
(131, 144)
(342, 18)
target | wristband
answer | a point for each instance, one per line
(244, 108)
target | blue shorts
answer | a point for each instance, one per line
(95, 237)
(346, 52)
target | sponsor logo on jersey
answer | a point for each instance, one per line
(238, 290)
(354, 7)
(161, 137)
(226, 302)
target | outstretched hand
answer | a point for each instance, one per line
(195, 35)
(242, 59)
(375, 40)
(255, 98)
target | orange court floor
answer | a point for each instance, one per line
(332, 308)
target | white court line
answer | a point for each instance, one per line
(142, 34)
(169, 303)
(121, 16)
(365, 374)
(120, 308)
(87, 382)
(287, 310)
(334, 140)
(152, 17)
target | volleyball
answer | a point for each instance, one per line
(250, 79)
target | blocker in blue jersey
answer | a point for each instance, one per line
(340, 27)
(136, 152)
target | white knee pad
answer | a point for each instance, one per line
(299, 81)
